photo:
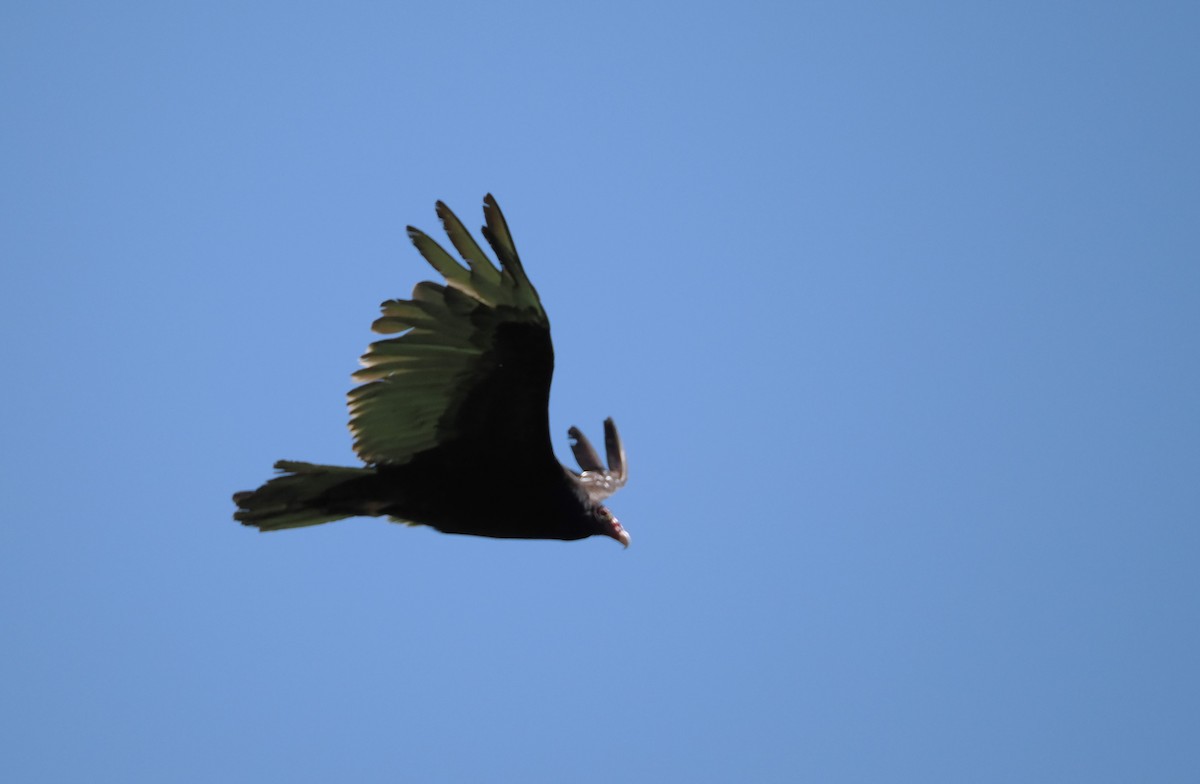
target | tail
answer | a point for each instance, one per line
(295, 499)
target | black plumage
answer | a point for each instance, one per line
(451, 417)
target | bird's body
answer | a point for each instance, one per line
(526, 502)
(452, 417)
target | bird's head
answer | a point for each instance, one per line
(608, 524)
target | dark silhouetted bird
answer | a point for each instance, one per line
(452, 416)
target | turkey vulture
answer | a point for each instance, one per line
(451, 417)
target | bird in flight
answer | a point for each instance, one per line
(451, 416)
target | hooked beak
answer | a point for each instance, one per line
(623, 537)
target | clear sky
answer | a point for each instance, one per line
(897, 306)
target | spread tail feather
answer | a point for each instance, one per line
(295, 499)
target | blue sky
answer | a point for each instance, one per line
(896, 305)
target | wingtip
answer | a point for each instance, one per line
(443, 213)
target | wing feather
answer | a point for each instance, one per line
(439, 259)
(600, 482)
(498, 236)
(465, 244)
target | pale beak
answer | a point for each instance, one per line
(623, 537)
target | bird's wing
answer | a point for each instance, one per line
(472, 360)
(600, 482)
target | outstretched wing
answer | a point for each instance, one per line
(472, 360)
(598, 481)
